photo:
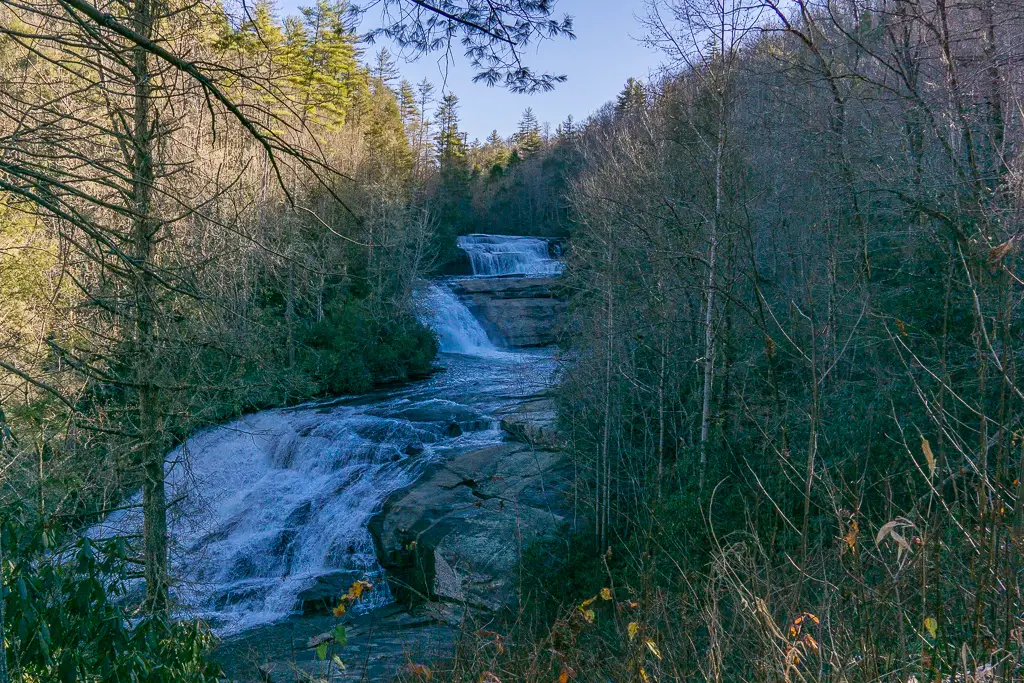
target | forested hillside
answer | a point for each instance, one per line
(792, 402)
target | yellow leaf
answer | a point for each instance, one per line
(589, 615)
(606, 594)
(587, 603)
(633, 629)
(643, 676)
(851, 534)
(339, 610)
(928, 455)
(356, 590)
(563, 677)
(653, 648)
(931, 626)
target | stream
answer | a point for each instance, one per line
(272, 505)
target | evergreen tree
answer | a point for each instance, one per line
(494, 154)
(454, 197)
(495, 140)
(632, 99)
(451, 145)
(259, 32)
(424, 141)
(566, 129)
(385, 69)
(320, 49)
(407, 106)
(528, 140)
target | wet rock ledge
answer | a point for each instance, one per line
(457, 534)
(521, 311)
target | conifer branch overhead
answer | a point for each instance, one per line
(493, 34)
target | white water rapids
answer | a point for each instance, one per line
(275, 503)
(492, 255)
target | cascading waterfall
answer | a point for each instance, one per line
(458, 331)
(493, 255)
(277, 503)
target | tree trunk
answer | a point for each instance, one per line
(144, 231)
(709, 305)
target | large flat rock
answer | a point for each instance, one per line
(521, 311)
(458, 533)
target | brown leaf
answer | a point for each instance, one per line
(928, 455)
(420, 671)
(998, 253)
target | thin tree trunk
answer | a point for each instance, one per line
(144, 230)
(709, 310)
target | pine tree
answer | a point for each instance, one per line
(259, 32)
(495, 140)
(451, 145)
(321, 51)
(566, 129)
(408, 109)
(528, 140)
(494, 154)
(385, 69)
(632, 99)
(424, 142)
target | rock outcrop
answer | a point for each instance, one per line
(457, 534)
(533, 422)
(520, 311)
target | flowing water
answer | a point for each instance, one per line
(492, 255)
(458, 331)
(269, 505)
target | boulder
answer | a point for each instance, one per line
(533, 422)
(458, 532)
(326, 592)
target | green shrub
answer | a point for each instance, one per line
(66, 619)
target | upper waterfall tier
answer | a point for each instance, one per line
(493, 255)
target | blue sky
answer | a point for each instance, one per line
(604, 54)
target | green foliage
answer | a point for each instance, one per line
(528, 140)
(322, 55)
(66, 620)
(349, 350)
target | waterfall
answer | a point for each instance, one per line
(276, 504)
(273, 507)
(458, 331)
(493, 255)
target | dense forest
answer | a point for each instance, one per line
(789, 392)
(792, 402)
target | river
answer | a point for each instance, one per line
(274, 504)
